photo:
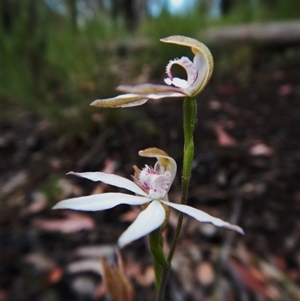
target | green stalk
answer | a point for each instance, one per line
(189, 118)
(159, 261)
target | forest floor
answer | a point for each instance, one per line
(246, 170)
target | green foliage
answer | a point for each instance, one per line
(50, 187)
(260, 11)
(53, 70)
(167, 24)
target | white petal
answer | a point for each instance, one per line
(110, 179)
(102, 201)
(146, 222)
(203, 217)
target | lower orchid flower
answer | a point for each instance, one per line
(198, 73)
(151, 186)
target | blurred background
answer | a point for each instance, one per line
(57, 56)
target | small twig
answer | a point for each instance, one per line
(225, 252)
(235, 215)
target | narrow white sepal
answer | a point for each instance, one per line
(110, 179)
(133, 104)
(120, 101)
(203, 217)
(147, 221)
(102, 201)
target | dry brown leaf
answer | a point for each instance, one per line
(227, 89)
(182, 265)
(96, 251)
(257, 273)
(205, 273)
(260, 149)
(38, 204)
(271, 271)
(286, 89)
(110, 166)
(215, 105)
(145, 277)
(274, 292)
(116, 282)
(10, 185)
(67, 188)
(55, 275)
(130, 216)
(88, 265)
(40, 261)
(72, 223)
(249, 279)
(84, 286)
(224, 139)
(133, 269)
(100, 291)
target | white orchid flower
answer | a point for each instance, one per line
(198, 72)
(151, 186)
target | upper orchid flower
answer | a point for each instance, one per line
(151, 186)
(198, 74)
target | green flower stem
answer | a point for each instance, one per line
(159, 261)
(189, 118)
